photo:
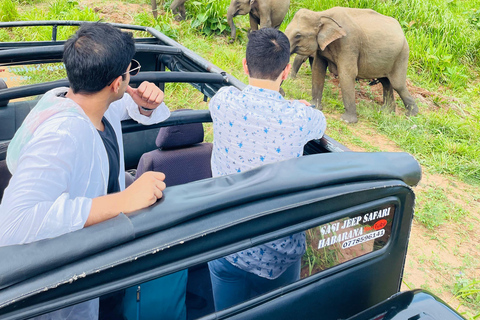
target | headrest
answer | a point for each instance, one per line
(179, 136)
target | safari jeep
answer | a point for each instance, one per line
(355, 208)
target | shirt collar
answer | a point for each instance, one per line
(266, 93)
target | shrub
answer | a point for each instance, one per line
(209, 16)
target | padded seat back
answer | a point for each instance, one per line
(181, 155)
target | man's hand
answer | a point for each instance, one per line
(146, 96)
(144, 192)
(305, 102)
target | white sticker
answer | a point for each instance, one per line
(362, 239)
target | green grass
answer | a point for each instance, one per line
(434, 208)
(8, 11)
(56, 10)
(468, 291)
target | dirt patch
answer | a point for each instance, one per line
(118, 13)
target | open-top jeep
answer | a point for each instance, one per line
(356, 210)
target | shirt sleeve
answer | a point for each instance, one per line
(128, 109)
(316, 123)
(37, 204)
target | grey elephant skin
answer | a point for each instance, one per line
(263, 13)
(178, 9)
(353, 43)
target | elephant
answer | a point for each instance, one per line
(266, 13)
(297, 63)
(353, 44)
(178, 9)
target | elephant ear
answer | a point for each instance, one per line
(329, 31)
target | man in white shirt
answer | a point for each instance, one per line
(67, 157)
(251, 128)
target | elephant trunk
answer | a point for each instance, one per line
(230, 15)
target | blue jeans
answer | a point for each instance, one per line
(232, 285)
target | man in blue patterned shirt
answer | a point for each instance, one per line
(251, 128)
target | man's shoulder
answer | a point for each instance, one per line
(65, 124)
(226, 91)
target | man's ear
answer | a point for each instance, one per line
(116, 84)
(286, 71)
(245, 67)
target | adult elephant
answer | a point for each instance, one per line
(178, 9)
(353, 43)
(263, 13)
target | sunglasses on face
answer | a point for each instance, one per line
(134, 70)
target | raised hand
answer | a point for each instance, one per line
(147, 95)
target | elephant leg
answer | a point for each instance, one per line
(253, 23)
(388, 100)
(400, 85)
(176, 8)
(182, 12)
(319, 71)
(347, 75)
(407, 99)
(297, 63)
(398, 79)
(310, 61)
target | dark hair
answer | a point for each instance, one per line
(268, 53)
(95, 55)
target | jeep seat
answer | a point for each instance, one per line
(181, 155)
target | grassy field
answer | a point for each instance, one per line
(444, 39)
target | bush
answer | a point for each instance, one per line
(209, 16)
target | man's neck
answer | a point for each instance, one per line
(94, 105)
(265, 84)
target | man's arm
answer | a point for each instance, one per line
(143, 104)
(316, 123)
(144, 192)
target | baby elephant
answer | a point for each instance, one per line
(353, 43)
(263, 13)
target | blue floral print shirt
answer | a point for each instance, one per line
(251, 128)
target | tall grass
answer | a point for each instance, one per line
(8, 11)
(56, 10)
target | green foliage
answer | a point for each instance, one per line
(164, 23)
(208, 16)
(469, 291)
(474, 17)
(8, 11)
